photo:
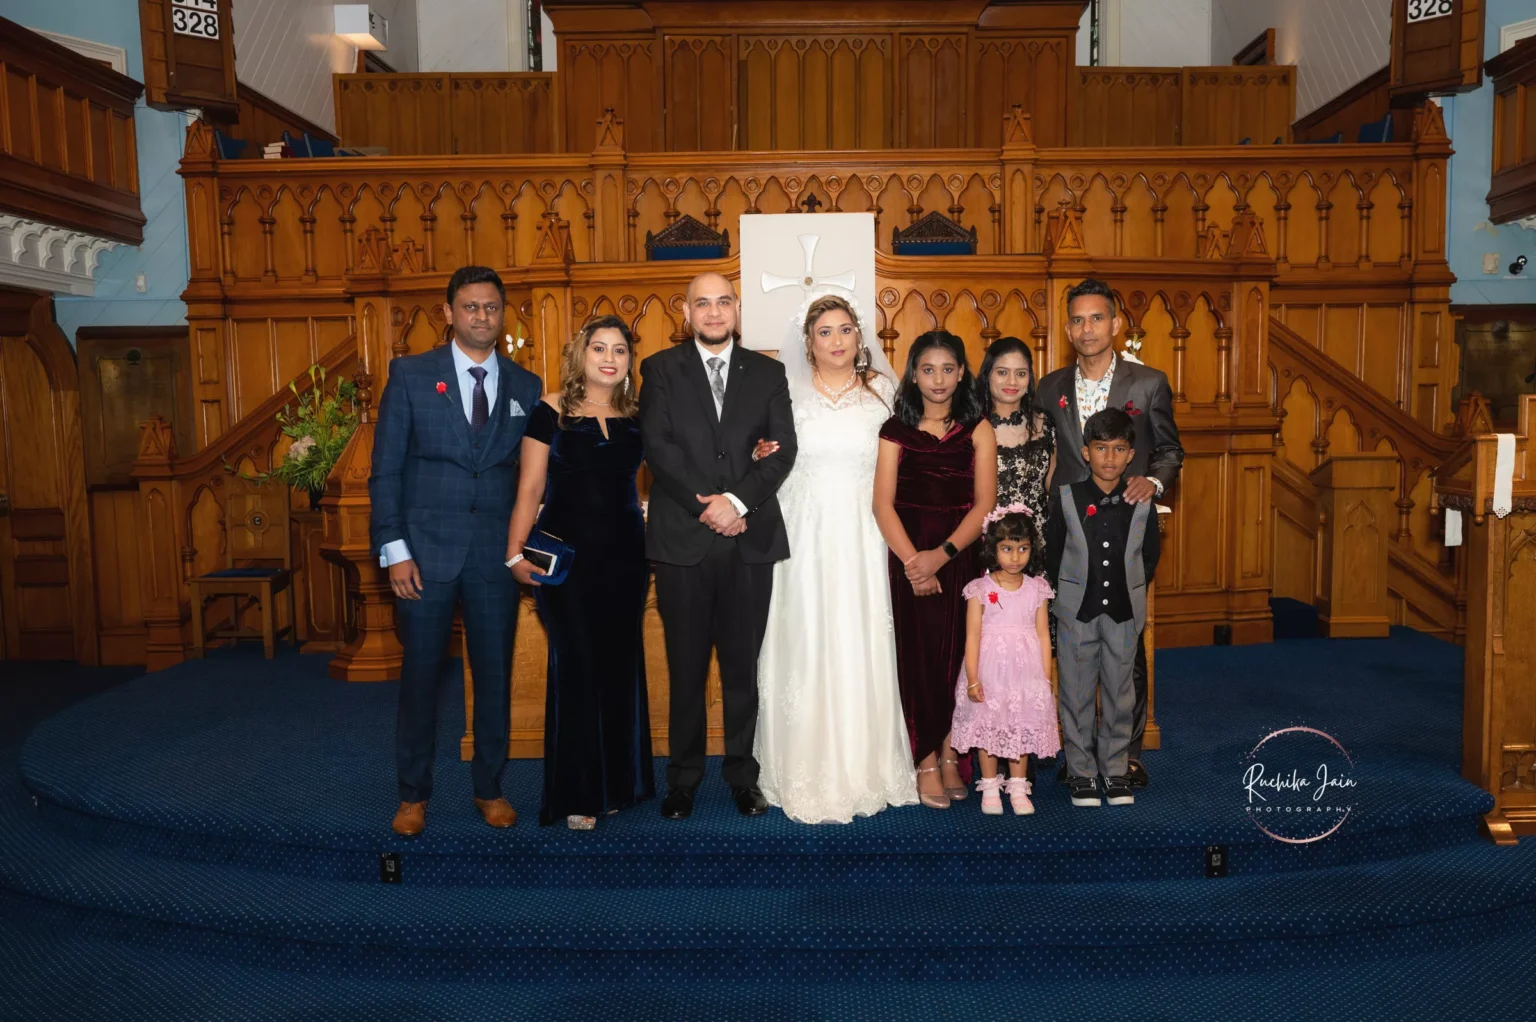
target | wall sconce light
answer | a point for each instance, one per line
(361, 26)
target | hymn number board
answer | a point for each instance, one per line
(198, 18)
(1427, 10)
(1437, 48)
(189, 55)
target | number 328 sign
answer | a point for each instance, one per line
(1418, 10)
(197, 18)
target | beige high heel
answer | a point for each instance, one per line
(932, 801)
(955, 794)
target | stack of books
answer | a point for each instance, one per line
(276, 151)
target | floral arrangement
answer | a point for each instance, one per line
(320, 426)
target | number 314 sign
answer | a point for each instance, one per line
(197, 18)
(1418, 10)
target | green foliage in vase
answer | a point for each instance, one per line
(320, 425)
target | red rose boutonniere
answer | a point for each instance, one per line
(1063, 402)
(992, 597)
(442, 388)
(1131, 409)
(1093, 509)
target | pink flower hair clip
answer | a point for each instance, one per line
(997, 513)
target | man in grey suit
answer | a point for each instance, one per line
(1098, 380)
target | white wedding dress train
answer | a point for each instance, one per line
(830, 735)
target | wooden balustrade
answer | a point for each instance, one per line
(182, 518)
(1325, 409)
(1356, 232)
(1192, 106)
(67, 151)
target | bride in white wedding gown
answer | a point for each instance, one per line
(830, 736)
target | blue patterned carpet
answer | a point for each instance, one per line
(203, 843)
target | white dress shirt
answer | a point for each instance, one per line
(396, 551)
(1093, 396)
(724, 354)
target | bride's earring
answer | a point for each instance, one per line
(861, 361)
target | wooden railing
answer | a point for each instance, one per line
(1192, 106)
(67, 151)
(1325, 409)
(1356, 233)
(181, 501)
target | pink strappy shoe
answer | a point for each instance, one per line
(989, 788)
(1018, 794)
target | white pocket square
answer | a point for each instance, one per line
(517, 409)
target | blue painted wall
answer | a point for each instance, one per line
(1469, 122)
(162, 258)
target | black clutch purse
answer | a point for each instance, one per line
(550, 555)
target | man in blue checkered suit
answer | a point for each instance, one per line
(445, 459)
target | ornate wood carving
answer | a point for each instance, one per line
(1512, 190)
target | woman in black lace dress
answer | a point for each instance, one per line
(1026, 440)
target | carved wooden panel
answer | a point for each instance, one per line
(1222, 106)
(815, 92)
(1031, 71)
(128, 374)
(408, 114)
(117, 534)
(700, 105)
(932, 89)
(1127, 106)
(1512, 190)
(507, 113)
(623, 75)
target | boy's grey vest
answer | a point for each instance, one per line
(1072, 579)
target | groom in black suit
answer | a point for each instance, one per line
(713, 529)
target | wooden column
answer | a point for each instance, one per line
(609, 165)
(1018, 162)
(165, 554)
(1354, 494)
(1434, 365)
(207, 262)
(1498, 744)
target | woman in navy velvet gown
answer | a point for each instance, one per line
(580, 456)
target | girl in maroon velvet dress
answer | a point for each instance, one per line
(935, 481)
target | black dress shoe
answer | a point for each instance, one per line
(1136, 774)
(678, 804)
(750, 801)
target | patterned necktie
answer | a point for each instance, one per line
(480, 408)
(717, 383)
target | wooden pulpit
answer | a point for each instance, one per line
(1355, 502)
(1498, 743)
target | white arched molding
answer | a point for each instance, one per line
(44, 257)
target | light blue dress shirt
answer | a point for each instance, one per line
(396, 551)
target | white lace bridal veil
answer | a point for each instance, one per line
(797, 368)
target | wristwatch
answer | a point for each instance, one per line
(949, 549)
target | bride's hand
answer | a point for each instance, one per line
(764, 448)
(927, 587)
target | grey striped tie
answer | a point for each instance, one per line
(717, 384)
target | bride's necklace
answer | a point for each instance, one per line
(853, 380)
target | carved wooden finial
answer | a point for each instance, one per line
(553, 244)
(157, 440)
(408, 257)
(610, 132)
(1246, 240)
(1473, 415)
(375, 255)
(1429, 123)
(1066, 234)
(200, 143)
(363, 380)
(1018, 130)
(1213, 243)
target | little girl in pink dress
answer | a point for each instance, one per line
(1003, 703)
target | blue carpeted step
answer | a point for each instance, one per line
(940, 918)
(295, 777)
(55, 967)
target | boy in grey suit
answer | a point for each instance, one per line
(1101, 550)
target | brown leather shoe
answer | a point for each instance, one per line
(498, 812)
(410, 819)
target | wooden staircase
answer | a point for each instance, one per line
(1324, 408)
